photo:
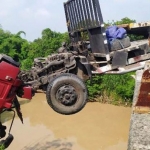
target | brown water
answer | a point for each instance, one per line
(96, 127)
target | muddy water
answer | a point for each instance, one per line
(96, 127)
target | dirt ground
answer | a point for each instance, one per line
(96, 127)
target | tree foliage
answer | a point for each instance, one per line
(124, 20)
(118, 88)
(24, 52)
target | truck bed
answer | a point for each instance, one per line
(138, 54)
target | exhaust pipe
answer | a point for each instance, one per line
(7, 141)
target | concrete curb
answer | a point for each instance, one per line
(139, 134)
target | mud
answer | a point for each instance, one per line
(96, 127)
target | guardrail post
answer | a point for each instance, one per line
(139, 134)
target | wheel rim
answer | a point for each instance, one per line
(66, 95)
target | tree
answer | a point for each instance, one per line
(20, 32)
(125, 20)
(47, 34)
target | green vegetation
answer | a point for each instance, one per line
(2, 147)
(24, 52)
(116, 89)
(125, 20)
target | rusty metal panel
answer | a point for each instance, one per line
(144, 93)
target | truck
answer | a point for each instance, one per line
(62, 75)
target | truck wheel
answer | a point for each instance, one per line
(67, 94)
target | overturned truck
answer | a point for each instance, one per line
(62, 75)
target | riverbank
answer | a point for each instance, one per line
(112, 99)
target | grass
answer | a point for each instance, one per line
(2, 147)
(113, 99)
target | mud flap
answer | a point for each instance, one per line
(18, 109)
(84, 70)
(119, 59)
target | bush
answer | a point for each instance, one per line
(2, 147)
(114, 88)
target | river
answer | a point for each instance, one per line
(97, 127)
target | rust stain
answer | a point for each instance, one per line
(144, 93)
(137, 58)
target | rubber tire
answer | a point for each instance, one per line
(81, 91)
(117, 46)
